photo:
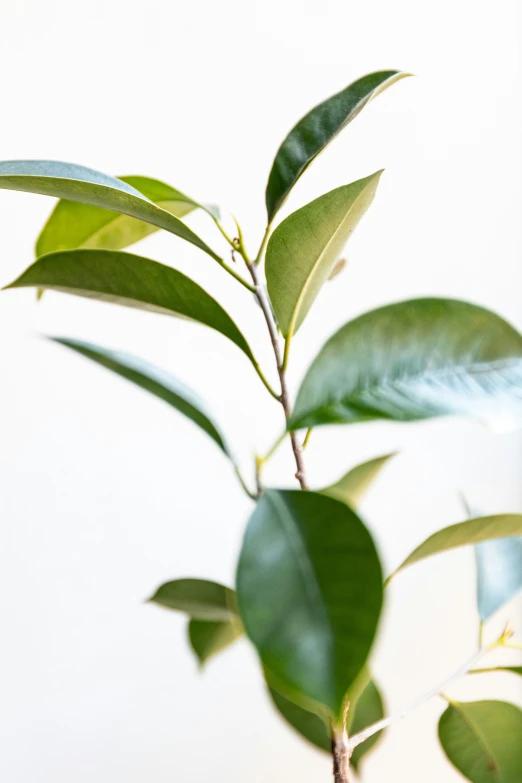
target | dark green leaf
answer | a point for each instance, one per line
(352, 486)
(77, 183)
(130, 280)
(369, 709)
(307, 724)
(153, 380)
(507, 669)
(416, 360)
(199, 598)
(304, 249)
(209, 638)
(310, 592)
(482, 740)
(73, 224)
(473, 531)
(317, 129)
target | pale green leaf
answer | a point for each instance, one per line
(353, 485)
(482, 740)
(304, 249)
(77, 183)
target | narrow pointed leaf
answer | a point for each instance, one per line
(473, 531)
(310, 592)
(353, 485)
(508, 669)
(73, 224)
(154, 380)
(499, 574)
(482, 740)
(416, 360)
(207, 638)
(133, 281)
(199, 598)
(77, 183)
(304, 249)
(317, 129)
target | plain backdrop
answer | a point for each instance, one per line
(106, 492)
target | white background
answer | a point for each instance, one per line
(105, 492)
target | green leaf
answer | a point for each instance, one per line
(77, 183)
(73, 224)
(310, 592)
(199, 598)
(415, 360)
(309, 725)
(473, 531)
(353, 485)
(133, 281)
(304, 249)
(152, 379)
(208, 638)
(317, 129)
(507, 669)
(482, 740)
(369, 709)
(499, 574)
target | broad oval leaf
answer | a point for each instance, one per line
(317, 129)
(154, 380)
(199, 598)
(353, 485)
(207, 638)
(73, 224)
(473, 531)
(368, 709)
(309, 590)
(415, 360)
(304, 249)
(482, 740)
(133, 281)
(499, 574)
(78, 183)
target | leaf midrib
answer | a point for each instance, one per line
(481, 740)
(308, 280)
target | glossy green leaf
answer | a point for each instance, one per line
(369, 709)
(415, 360)
(73, 224)
(133, 281)
(309, 589)
(77, 183)
(508, 669)
(154, 380)
(473, 531)
(499, 574)
(353, 485)
(207, 638)
(304, 249)
(482, 740)
(199, 598)
(317, 129)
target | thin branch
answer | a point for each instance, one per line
(341, 754)
(357, 739)
(285, 399)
